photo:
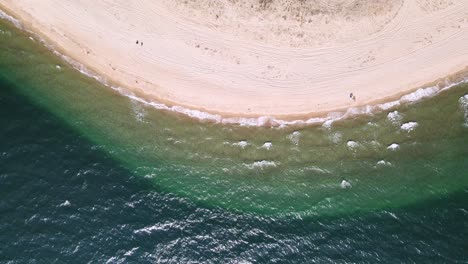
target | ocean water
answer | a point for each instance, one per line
(88, 175)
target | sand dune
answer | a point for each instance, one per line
(278, 58)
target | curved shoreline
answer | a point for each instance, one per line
(242, 118)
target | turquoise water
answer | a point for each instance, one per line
(148, 185)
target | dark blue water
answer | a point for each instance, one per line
(63, 200)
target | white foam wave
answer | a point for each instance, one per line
(267, 145)
(113, 260)
(326, 121)
(156, 227)
(336, 137)
(393, 146)
(384, 163)
(464, 106)
(395, 117)
(244, 121)
(295, 137)
(175, 141)
(372, 124)
(131, 252)
(139, 112)
(345, 184)
(241, 144)
(261, 164)
(13, 20)
(393, 215)
(409, 126)
(352, 144)
(420, 94)
(65, 204)
(389, 105)
(150, 176)
(317, 169)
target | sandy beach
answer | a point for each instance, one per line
(258, 58)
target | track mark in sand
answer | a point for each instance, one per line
(289, 22)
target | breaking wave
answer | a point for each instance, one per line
(11, 19)
(262, 164)
(409, 126)
(464, 106)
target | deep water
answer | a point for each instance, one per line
(90, 176)
(116, 217)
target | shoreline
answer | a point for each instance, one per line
(250, 119)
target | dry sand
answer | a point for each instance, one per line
(283, 58)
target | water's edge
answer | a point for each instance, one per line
(266, 121)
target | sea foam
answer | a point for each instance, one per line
(384, 163)
(464, 107)
(335, 137)
(241, 144)
(139, 112)
(131, 252)
(317, 170)
(409, 126)
(352, 144)
(345, 184)
(243, 121)
(395, 117)
(13, 20)
(65, 204)
(420, 94)
(295, 137)
(274, 122)
(267, 145)
(393, 146)
(262, 164)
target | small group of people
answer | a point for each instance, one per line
(139, 42)
(352, 97)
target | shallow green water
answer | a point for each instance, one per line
(227, 166)
(89, 176)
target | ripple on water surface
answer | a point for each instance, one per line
(236, 167)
